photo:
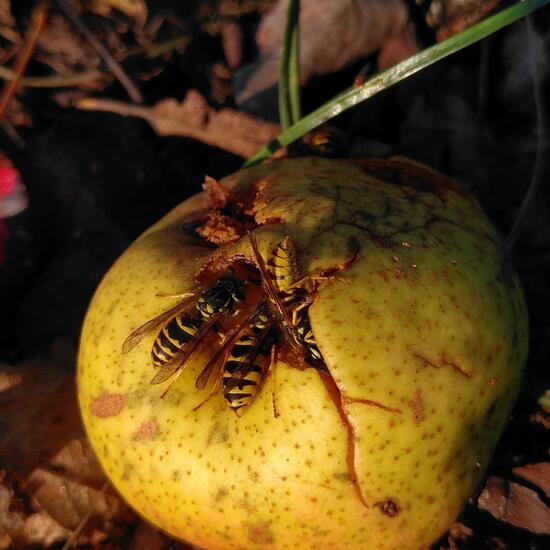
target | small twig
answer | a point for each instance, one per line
(55, 81)
(110, 61)
(38, 20)
(542, 141)
(12, 133)
(83, 520)
(124, 6)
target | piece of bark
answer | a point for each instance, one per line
(236, 132)
(516, 505)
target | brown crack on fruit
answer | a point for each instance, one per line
(147, 431)
(351, 400)
(340, 401)
(443, 361)
(107, 405)
(336, 397)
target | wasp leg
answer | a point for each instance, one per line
(183, 295)
(219, 378)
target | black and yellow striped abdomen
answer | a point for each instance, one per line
(284, 271)
(240, 390)
(313, 354)
(172, 337)
(247, 362)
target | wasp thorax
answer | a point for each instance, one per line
(331, 362)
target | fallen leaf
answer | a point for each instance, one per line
(453, 16)
(232, 42)
(136, 9)
(53, 485)
(458, 533)
(236, 132)
(515, 504)
(19, 528)
(332, 35)
(62, 48)
(537, 474)
(541, 417)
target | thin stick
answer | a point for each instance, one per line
(110, 61)
(54, 81)
(542, 143)
(38, 20)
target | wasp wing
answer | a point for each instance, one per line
(272, 293)
(230, 339)
(139, 334)
(244, 367)
(177, 362)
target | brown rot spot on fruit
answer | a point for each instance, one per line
(389, 508)
(259, 533)
(220, 494)
(108, 404)
(218, 434)
(417, 405)
(146, 431)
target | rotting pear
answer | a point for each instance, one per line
(424, 335)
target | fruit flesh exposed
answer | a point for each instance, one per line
(424, 335)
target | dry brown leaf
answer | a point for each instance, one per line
(458, 533)
(453, 16)
(236, 132)
(53, 479)
(332, 35)
(136, 9)
(62, 48)
(6, 18)
(537, 474)
(515, 504)
(541, 417)
(19, 527)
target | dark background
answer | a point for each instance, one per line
(96, 180)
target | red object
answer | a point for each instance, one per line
(13, 198)
(8, 177)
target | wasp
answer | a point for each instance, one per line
(248, 355)
(284, 271)
(182, 329)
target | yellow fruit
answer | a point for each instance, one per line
(424, 334)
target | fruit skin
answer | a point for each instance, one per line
(425, 336)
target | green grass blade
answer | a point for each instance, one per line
(289, 80)
(353, 96)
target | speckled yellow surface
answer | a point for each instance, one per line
(425, 336)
